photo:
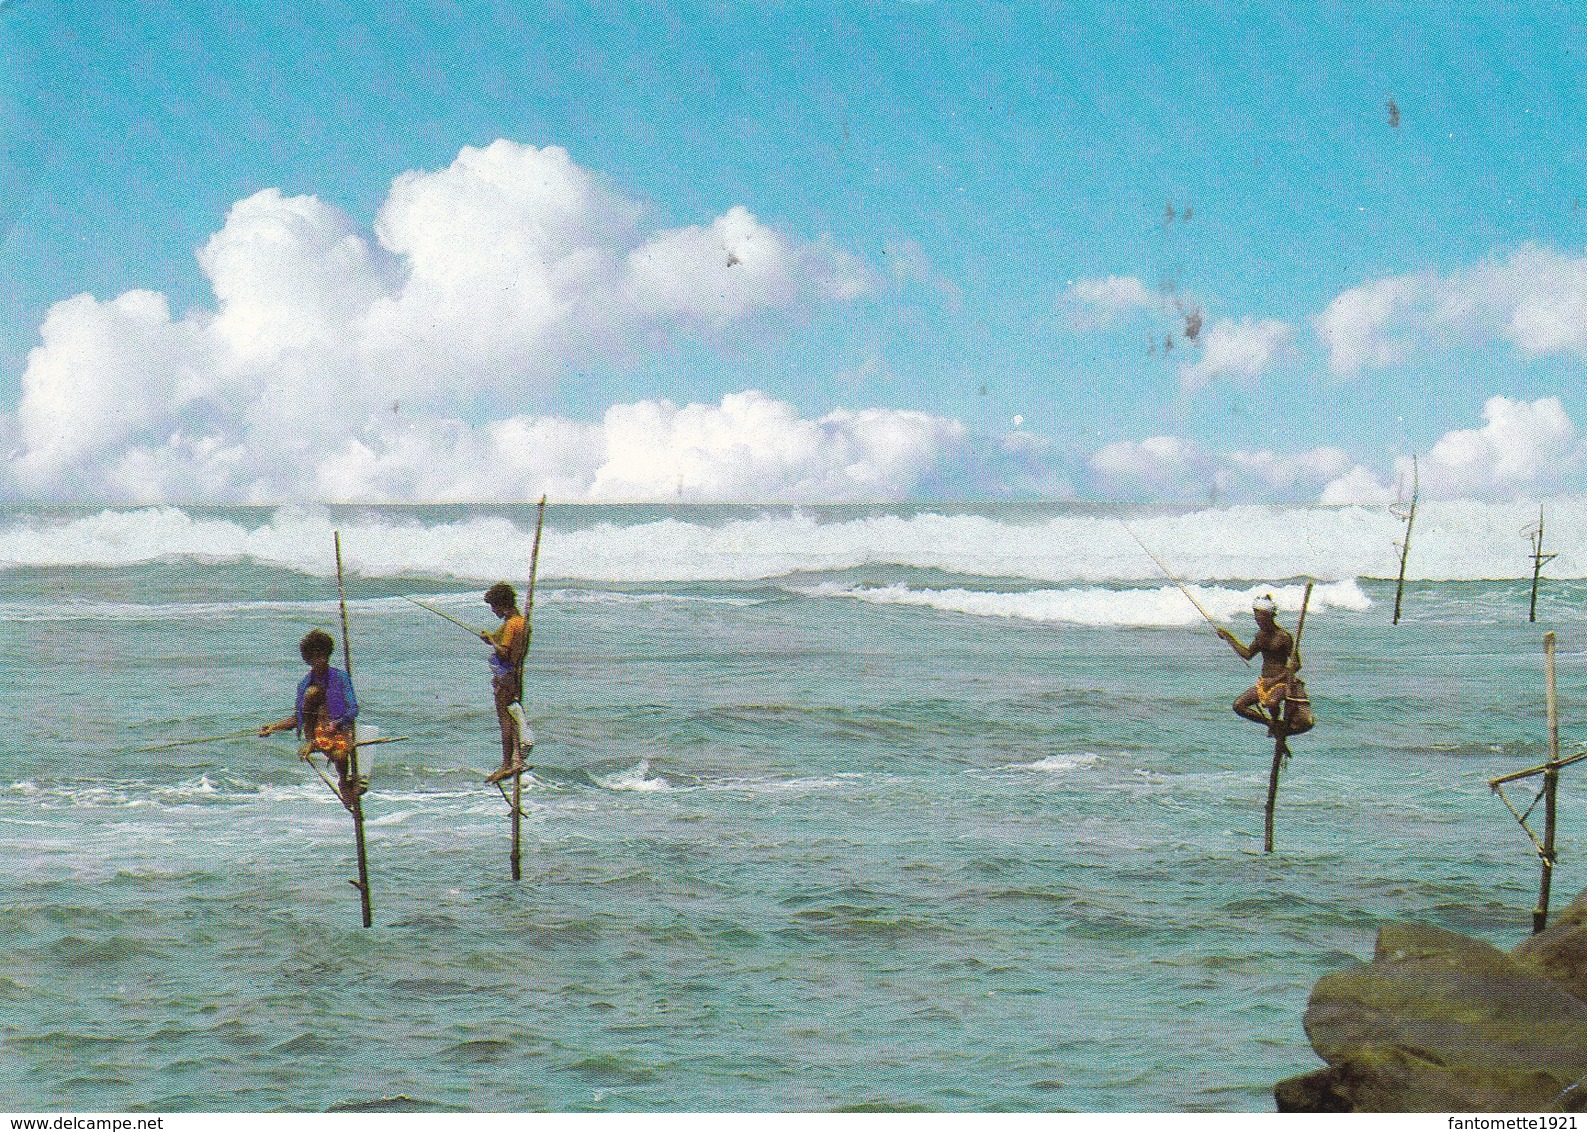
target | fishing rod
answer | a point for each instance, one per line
(1169, 574)
(439, 613)
(253, 731)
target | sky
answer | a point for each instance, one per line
(459, 251)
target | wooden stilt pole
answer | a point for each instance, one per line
(1548, 795)
(1280, 753)
(1539, 560)
(1281, 740)
(357, 805)
(517, 823)
(1550, 789)
(1405, 547)
(528, 626)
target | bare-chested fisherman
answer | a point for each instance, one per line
(1271, 691)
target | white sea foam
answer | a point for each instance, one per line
(1058, 764)
(396, 818)
(634, 778)
(69, 609)
(1162, 607)
(775, 785)
(606, 597)
(1454, 540)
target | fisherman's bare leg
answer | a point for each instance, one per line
(313, 719)
(1277, 706)
(1247, 707)
(511, 758)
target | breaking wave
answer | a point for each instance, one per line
(1164, 607)
(1056, 543)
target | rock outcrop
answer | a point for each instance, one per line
(1438, 1022)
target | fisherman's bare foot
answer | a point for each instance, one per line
(498, 774)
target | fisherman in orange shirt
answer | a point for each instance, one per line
(509, 642)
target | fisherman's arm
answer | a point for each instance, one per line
(1246, 652)
(506, 640)
(292, 721)
(279, 725)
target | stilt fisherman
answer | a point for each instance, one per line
(1278, 699)
(326, 708)
(508, 644)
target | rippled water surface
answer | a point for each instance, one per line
(922, 811)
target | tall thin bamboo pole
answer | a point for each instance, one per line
(1539, 560)
(528, 628)
(356, 806)
(1405, 547)
(1281, 740)
(1550, 788)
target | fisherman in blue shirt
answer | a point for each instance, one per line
(326, 709)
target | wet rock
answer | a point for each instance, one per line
(1559, 952)
(1438, 1022)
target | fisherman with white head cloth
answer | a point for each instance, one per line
(1277, 700)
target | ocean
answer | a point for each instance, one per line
(892, 807)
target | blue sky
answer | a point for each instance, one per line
(974, 160)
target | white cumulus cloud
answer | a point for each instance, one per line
(1522, 447)
(750, 447)
(1157, 467)
(1355, 326)
(1283, 473)
(1090, 303)
(1356, 486)
(754, 447)
(1240, 350)
(1173, 468)
(330, 353)
(1535, 299)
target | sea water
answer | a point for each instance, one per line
(911, 807)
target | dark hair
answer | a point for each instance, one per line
(502, 594)
(317, 643)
